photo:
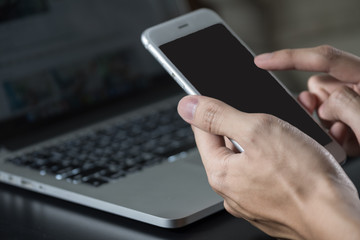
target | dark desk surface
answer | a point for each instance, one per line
(28, 215)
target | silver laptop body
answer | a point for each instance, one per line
(69, 34)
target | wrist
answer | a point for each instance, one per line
(334, 212)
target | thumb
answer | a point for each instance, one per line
(213, 116)
(343, 105)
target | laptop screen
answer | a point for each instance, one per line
(62, 57)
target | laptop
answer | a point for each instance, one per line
(87, 115)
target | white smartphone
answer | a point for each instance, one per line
(205, 56)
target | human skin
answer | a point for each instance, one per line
(284, 183)
(334, 93)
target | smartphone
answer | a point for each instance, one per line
(204, 56)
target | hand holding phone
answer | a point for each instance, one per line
(204, 56)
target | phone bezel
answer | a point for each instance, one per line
(154, 37)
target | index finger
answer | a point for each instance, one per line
(339, 64)
(212, 150)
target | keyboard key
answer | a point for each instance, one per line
(96, 182)
(109, 153)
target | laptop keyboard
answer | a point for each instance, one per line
(115, 151)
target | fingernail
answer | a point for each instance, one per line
(264, 57)
(187, 107)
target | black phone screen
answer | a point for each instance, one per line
(219, 66)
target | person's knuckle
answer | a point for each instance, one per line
(218, 176)
(288, 52)
(246, 214)
(229, 208)
(261, 125)
(329, 53)
(344, 96)
(236, 209)
(264, 121)
(212, 116)
(216, 180)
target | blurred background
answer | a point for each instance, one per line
(268, 25)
